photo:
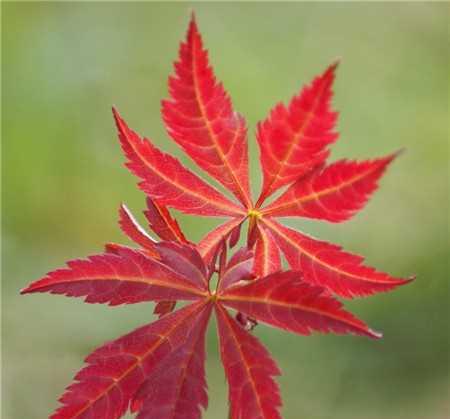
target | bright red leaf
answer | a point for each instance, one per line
(267, 254)
(200, 118)
(158, 370)
(294, 139)
(166, 180)
(328, 265)
(293, 142)
(162, 223)
(333, 194)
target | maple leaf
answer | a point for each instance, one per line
(158, 370)
(293, 144)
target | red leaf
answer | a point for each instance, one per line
(177, 388)
(327, 265)
(118, 279)
(235, 235)
(134, 231)
(239, 256)
(167, 181)
(167, 228)
(284, 301)
(158, 370)
(333, 194)
(267, 254)
(249, 368)
(115, 371)
(199, 116)
(252, 232)
(208, 245)
(293, 139)
(218, 256)
(162, 223)
(239, 268)
(184, 260)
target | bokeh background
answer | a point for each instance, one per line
(65, 64)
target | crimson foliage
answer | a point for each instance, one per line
(157, 371)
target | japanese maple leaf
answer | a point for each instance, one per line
(158, 370)
(293, 144)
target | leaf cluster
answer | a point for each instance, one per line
(157, 371)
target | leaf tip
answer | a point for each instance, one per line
(386, 161)
(193, 16)
(398, 153)
(114, 111)
(193, 27)
(410, 278)
(335, 64)
(374, 334)
(112, 248)
(31, 288)
(330, 72)
(117, 118)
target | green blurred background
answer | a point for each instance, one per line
(65, 64)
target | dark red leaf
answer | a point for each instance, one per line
(164, 307)
(249, 368)
(118, 279)
(115, 371)
(235, 235)
(176, 389)
(185, 260)
(284, 301)
(208, 245)
(239, 268)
